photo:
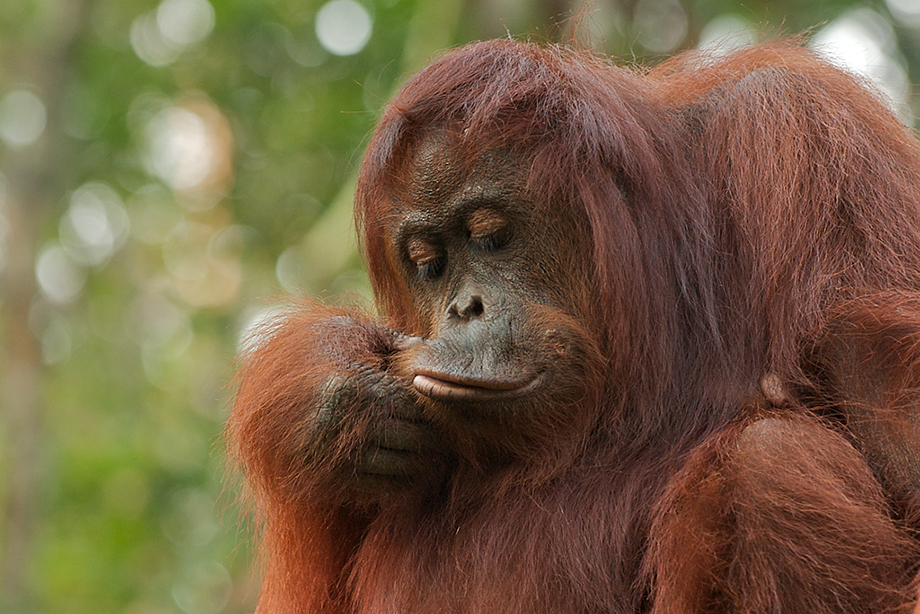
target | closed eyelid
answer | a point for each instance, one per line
(421, 252)
(485, 222)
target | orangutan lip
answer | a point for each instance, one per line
(447, 387)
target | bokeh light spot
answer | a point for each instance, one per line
(661, 25)
(862, 42)
(95, 224)
(181, 148)
(149, 44)
(185, 22)
(343, 27)
(59, 277)
(22, 118)
(726, 33)
(905, 11)
(161, 36)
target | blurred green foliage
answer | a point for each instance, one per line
(185, 160)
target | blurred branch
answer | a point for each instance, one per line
(31, 174)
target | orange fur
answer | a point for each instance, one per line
(740, 268)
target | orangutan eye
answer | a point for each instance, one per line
(492, 242)
(427, 258)
(488, 229)
(431, 270)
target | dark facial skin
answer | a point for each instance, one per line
(464, 242)
(499, 292)
(459, 244)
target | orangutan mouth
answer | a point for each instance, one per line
(448, 387)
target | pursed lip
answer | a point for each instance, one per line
(449, 387)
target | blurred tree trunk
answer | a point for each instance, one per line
(34, 176)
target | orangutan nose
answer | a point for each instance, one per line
(467, 305)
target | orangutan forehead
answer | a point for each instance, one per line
(437, 162)
(444, 165)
